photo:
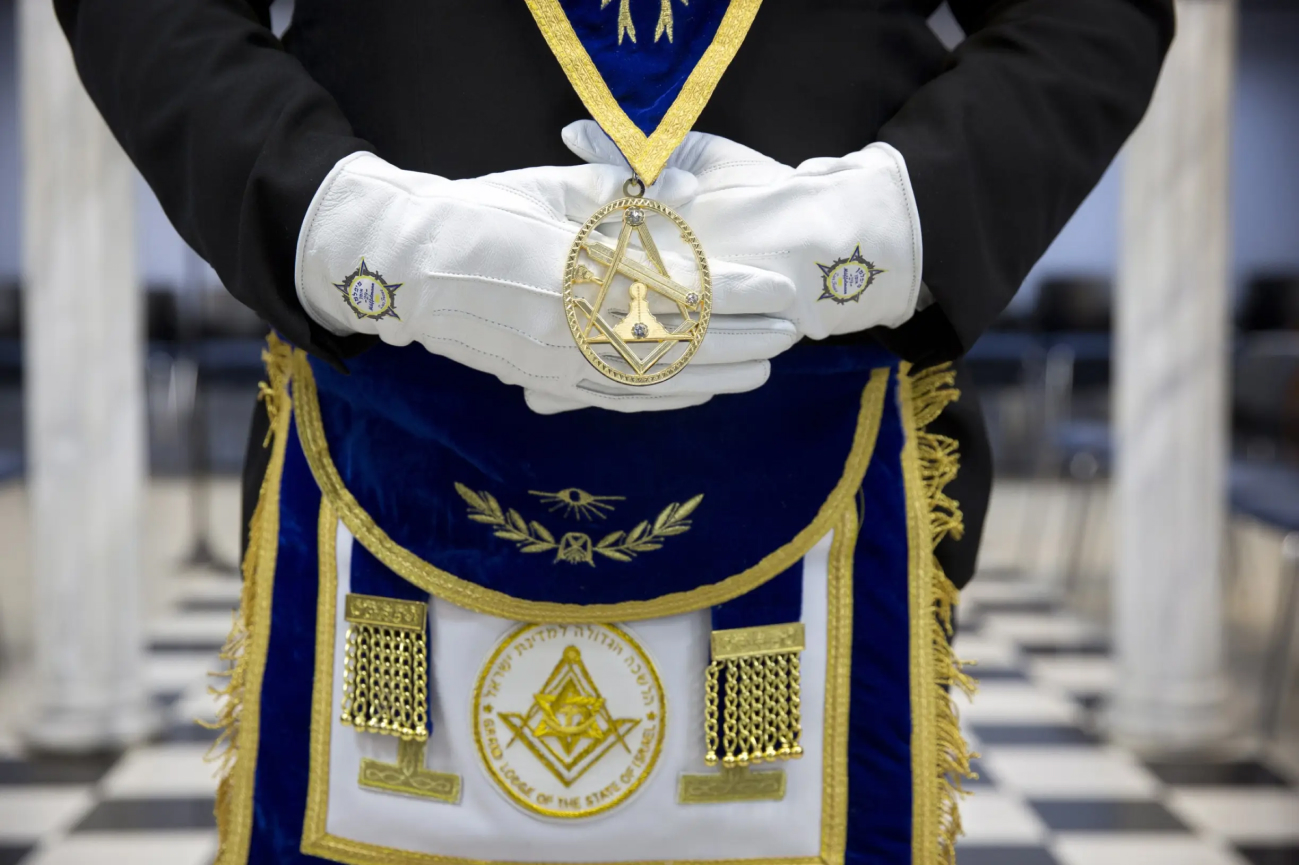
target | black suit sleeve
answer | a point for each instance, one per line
(229, 130)
(1005, 144)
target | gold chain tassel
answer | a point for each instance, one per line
(757, 672)
(710, 713)
(385, 667)
(731, 712)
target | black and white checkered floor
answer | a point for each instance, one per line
(1050, 791)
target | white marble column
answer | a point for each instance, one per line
(84, 403)
(1172, 355)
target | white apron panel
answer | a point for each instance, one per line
(651, 825)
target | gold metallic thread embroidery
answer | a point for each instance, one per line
(317, 841)
(577, 503)
(368, 294)
(578, 547)
(240, 713)
(470, 595)
(647, 154)
(756, 642)
(665, 19)
(731, 785)
(847, 278)
(385, 667)
(234, 803)
(568, 727)
(569, 720)
(409, 777)
(940, 756)
(625, 25)
(627, 28)
(743, 784)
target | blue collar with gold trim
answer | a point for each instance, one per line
(645, 70)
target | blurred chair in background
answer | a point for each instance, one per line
(1264, 472)
(1051, 362)
(1074, 317)
(203, 366)
(11, 353)
(1271, 303)
(11, 461)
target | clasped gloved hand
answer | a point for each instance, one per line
(480, 264)
(845, 231)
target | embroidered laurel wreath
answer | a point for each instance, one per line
(578, 547)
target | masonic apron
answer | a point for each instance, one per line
(475, 634)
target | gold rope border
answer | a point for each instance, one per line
(240, 714)
(317, 841)
(940, 756)
(647, 155)
(471, 596)
(838, 688)
(322, 694)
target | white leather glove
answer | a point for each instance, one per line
(473, 269)
(844, 230)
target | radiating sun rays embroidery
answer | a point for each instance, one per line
(578, 503)
(628, 29)
(577, 548)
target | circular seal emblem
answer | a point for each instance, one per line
(367, 294)
(847, 278)
(569, 719)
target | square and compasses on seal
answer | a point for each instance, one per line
(569, 720)
(568, 727)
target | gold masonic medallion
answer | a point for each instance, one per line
(612, 289)
(568, 719)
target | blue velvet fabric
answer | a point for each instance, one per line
(880, 784)
(879, 756)
(645, 76)
(372, 577)
(280, 796)
(407, 425)
(775, 602)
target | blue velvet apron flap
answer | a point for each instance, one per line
(449, 479)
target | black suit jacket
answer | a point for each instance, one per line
(1003, 137)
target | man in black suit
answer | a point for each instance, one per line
(1003, 137)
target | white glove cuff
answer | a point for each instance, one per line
(897, 298)
(360, 210)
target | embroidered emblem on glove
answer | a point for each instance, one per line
(368, 295)
(848, 278)
(578, 547)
